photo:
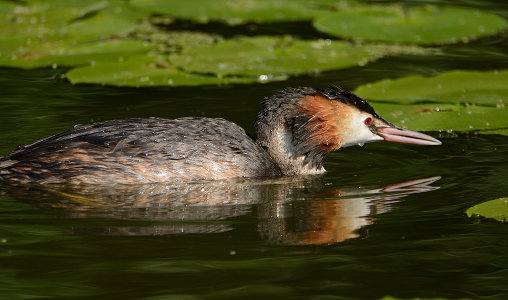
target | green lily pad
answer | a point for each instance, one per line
(37, 13)
(144, 70)
(496, 131)
(5, 8)
(444, 117)
(56, 54)
(239, 11)
(42, 33)
(485, 88)
(99, 27)
(479, 88)
(57, 20)
(417, 25)
(493, 209)
(270, 57)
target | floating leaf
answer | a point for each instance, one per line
(60, 20)
(98, 27)
(496, 131)
(47, 54)
(493, 209)
(420, 25)
(486, 88)
(143, 70)
(444, 117)
(43, 33)
(37, 15)
(275, 56)
(5, 8)
(234, 12)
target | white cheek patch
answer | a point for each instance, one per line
(356, 132)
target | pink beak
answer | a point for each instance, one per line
(400, 135)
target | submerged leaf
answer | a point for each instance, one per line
(485, 88)
(493, 209)
(170, 41)
(444, 117)
(419, 25)
(274, 56)
(143, 70)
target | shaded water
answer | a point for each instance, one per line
(360, 231)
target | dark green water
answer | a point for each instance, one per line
(333, 237)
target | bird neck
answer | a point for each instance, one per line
(281, 143)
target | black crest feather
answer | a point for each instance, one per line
(337, 93)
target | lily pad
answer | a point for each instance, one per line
(56, 54)
(43, 33)
(275, 56)
(445, 117)
(416, 25)
(496, 131)
(235, 12)
(485, 88)
(5, 8)
(494, 209)
(144, 70)
(37, 13)
(50, 20)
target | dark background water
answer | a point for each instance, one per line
(289, 239)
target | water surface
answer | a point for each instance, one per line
(361, 231)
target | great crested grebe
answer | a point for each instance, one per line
(294, 130)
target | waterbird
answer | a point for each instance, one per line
(294, 130)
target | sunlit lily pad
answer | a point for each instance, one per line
(485, 88)
(493, 209)
(420, 25)
(445, 117)
(61, 20)
(42, 33)
(274, 56)
(100, 26)
(496, 131)
(235, 12)
(6, 8)
(56, 54)
(144, 70)
(40, 13)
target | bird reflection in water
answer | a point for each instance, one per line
(290, 210)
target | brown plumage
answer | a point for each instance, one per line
(295, 129)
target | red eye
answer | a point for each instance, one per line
(368, 121)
